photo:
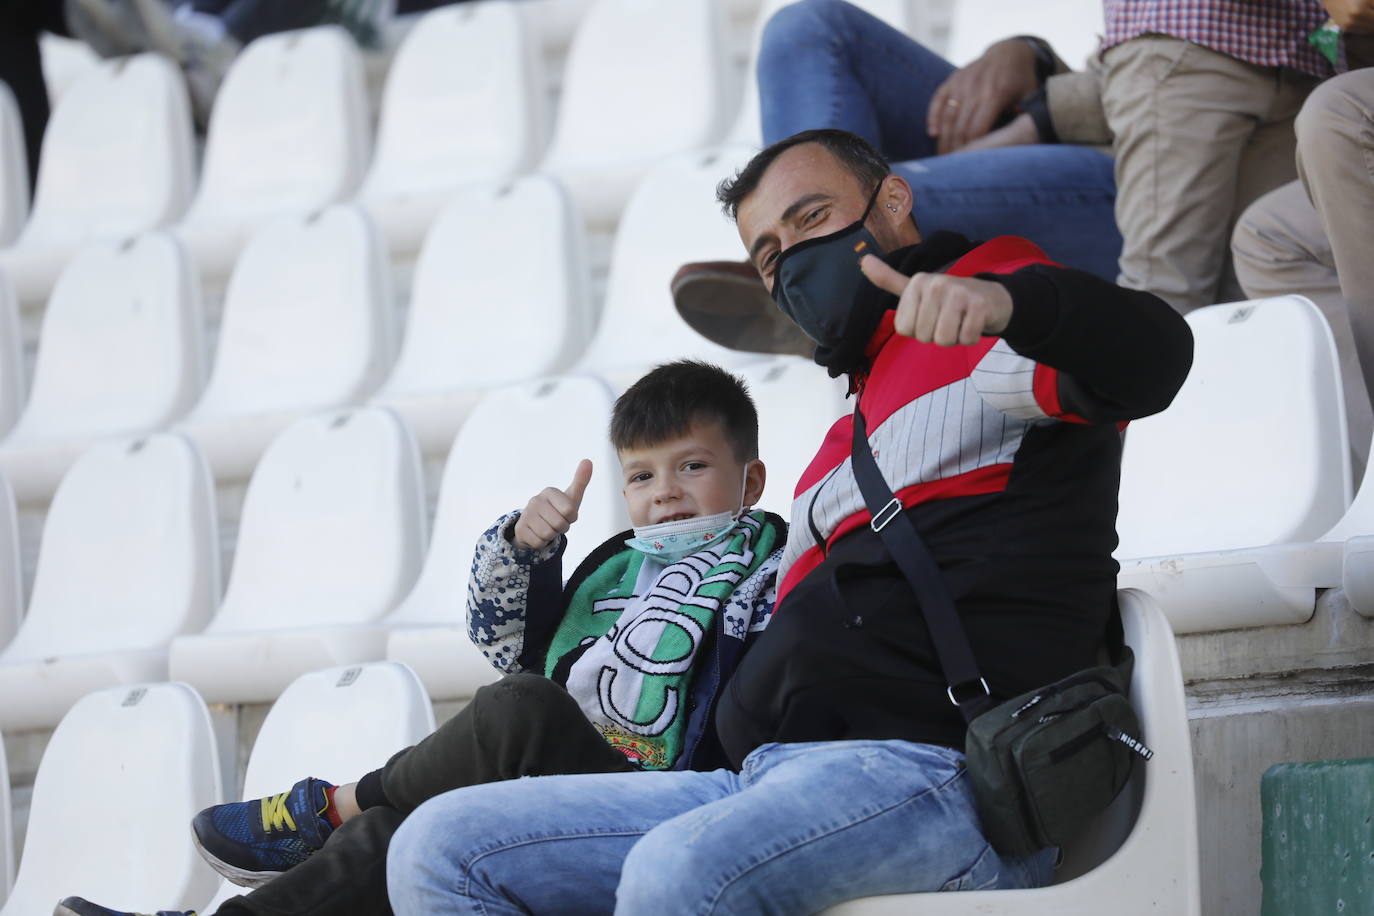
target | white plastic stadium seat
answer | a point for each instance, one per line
(331, 538)
(499, 295)
(6, 828)
(65, 62)
(1072, 27)
(1140, 858)
(288, 134)
(671, 219)
(1354, 534)
(385, 708)
(129, 559)
(797, 403)
(123, 775)
(464, 101)
(1224, 494)
(543, 429)
(553, 23)
(645, 79)
(116, 161)
(11, 357)
(11, 567)
(14, 169)
(121, 351)
(307, 325)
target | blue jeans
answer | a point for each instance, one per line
(827, 63)
(801, 827)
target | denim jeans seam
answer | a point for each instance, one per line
(821, 834)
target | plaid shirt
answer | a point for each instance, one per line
(1267, 33)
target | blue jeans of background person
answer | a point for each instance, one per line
(827, 63)
(801, 827)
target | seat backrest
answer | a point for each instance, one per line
(518, 440)
(130, 552)
(464, 101)
(797, 404)
(11, 357)
(14, 169)
(1072, 27)
(333, 525)
(117, 153)
(383, 703)
(122, 346)
(6, 828)
(123, 774)
(499, 292)
(671, 219)
(645, 79)
(288, 132)
(1253, 450)
(307, 323)
(11, 571)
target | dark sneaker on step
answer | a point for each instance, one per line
(252, 842)
(80, 906)
(726, 302)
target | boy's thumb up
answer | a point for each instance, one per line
(581, 477)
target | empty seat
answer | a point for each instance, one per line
(123, 775)
(307, 325)
(519, 440)
(116, 161)
(1354, 536)
(631, 98)
(797, 402)
(14, 169)
(671, 219)
(11, 567)
(121, 351)
(1072, 27)
(331, 538)
(129, 558)
(288, 134)
(1224, 494)
(385, 708)
(11, 357)
(553, 23)
(464, 101)
(1141, 854)
(502, 272)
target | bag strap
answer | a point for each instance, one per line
(967, 690)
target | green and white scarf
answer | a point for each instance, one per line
(642, 624)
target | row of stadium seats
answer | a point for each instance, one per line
(499, 294)
(331, 564)
(134, 763)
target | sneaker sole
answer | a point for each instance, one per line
(233, 874)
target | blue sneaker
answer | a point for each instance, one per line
(80, 906)
(252, 842)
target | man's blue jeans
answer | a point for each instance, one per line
(799, 828)
(827, 63)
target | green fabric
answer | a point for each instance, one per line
(587, 617)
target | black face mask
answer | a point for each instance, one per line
(817, 283)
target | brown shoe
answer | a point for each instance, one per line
(727, 303)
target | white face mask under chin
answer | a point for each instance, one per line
(672, 541)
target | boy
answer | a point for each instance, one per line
(617, 671)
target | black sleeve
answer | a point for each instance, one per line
(1121, 353)
(543, 609)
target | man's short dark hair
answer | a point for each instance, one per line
(665, 403)
(854, 152)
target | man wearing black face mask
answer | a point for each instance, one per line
(993, 385)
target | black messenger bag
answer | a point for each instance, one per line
(1043, 764)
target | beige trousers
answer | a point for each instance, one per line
(1315, 236)
(1199, 135)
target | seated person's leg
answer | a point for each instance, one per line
(827, 63)
(552, 845)
(1063, 197)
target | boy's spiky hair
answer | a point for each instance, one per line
(665, 403)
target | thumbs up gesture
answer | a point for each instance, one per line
(552, 511)
(941, 309)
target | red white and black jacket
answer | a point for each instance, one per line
(1007, 457)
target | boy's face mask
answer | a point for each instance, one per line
(818, 282)
(673, 541)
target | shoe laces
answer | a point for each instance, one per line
(275, 813)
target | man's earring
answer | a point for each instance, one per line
(892, 208)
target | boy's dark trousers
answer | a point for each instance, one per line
(523, 725)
